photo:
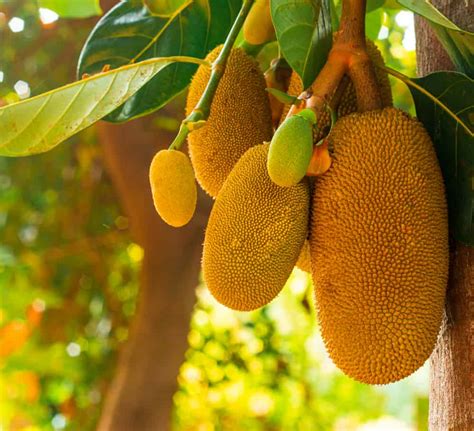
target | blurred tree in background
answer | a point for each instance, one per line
(69, 277)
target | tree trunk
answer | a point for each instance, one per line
(140, 395)
(452, 362)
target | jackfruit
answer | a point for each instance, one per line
(348, 102)
(240, 118)
(173, 187)
(291, 149)
(254, 235)
(379, 246)
(258, 27)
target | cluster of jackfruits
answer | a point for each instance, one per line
(372, 230)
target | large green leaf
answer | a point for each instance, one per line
(38, 124)
(304, 33)
(130, 33)
(459, 44)
(163, 7)
(72, 9)
(449, 120)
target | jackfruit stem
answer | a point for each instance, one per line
(325, 84)
(351, 38)
(180, 137)
(352, 27)
(200, 113)
(347, 56)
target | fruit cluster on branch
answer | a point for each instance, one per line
(347, 187)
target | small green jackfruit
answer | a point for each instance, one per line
(173, 187)
(290, 150)
(379, 246)
(240, 118)
(254, 234)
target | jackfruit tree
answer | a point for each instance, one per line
(292, 130)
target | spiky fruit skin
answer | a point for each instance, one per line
(290, 151)
(240, 118)
(348, 102)
(173, 187)
(379, 246)
(254, 234)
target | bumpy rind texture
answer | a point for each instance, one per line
(254, 234)
(379, 246)
(290, 151)
(240, 118)
(348, 103)
(173, 187)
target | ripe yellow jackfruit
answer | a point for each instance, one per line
(254, 234)
(291, 149)
(348, 102)
(379, 246)
(173, 187)
(258, 27)
(240, 118)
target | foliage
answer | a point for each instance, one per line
(304, 35)
(453, 141)
(194, 29)
(42, 122)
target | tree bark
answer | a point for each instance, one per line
(140, 395)
(452, 362)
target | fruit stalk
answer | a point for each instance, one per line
(347, 56)
(200, 113)
(351, 37)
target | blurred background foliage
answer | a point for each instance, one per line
(69, 279)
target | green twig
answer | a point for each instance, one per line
(201, 111)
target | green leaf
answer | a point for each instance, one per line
(281, 96)
(459, 44)
(38, 124)
(448, 115)
(163, 7)
(373, 23)
(304, 32)
(374, 4)
(72, 9)
(335, 11)
(130, 33)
